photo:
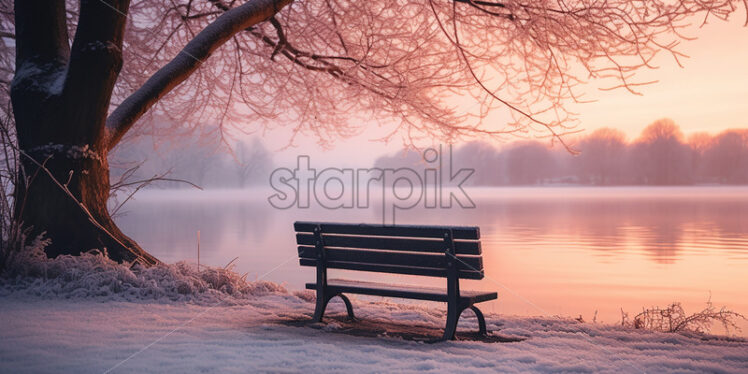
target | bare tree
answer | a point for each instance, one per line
(529, 163)
(726, 158)
(602, 156)
(85, 75)
(252, 163)
(485, 159)
(660, 155)
(700, 142)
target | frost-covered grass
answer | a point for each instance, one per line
(92, 275)
(88, 315)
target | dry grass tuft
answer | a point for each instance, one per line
(674, 318)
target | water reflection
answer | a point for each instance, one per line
(558, 250)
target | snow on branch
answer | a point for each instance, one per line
(436, 69)
(187, 61)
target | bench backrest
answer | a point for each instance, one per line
(399, 249)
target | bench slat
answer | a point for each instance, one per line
(439, 261)
(409, 292)
(396, 244)
(394, 269)
(458, 232)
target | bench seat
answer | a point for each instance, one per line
(451, 252)
(338, 286)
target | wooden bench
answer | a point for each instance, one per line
(451, 252)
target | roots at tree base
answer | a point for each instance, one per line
(76, 220)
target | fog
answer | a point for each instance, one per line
(660, 155)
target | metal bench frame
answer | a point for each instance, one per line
(454, 269)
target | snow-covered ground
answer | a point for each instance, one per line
(99, 317)
(86, 336)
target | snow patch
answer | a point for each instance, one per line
(75, 152)
(92, 275)
(46, 77)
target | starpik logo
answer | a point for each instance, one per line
(437, 185)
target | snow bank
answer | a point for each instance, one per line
(172, 318)
(92, 275)
(87, 336)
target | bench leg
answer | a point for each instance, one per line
(319, 309)
(453, 315)
(481, 320)
(348, 306)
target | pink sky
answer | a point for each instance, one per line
(710, 93)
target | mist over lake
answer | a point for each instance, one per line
(547, 250)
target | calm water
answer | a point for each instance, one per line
(547, 251)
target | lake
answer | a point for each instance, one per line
(565, 251)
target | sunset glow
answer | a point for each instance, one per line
(708, 93)
(376, 186)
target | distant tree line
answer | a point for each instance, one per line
(661, 155)
(205, 160)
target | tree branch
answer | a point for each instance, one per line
(186, 62)
(42, 53)
(95, 61)
(482, 3)
(41, 33)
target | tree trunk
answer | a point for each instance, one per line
(71, 208)
(74, 228)
(60, 95)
